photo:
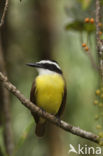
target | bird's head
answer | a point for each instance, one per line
(46, 67)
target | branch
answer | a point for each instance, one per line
(99, 42)
(97, 20)
(31, 106)
(4, 13)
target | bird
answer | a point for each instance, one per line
(48, 92)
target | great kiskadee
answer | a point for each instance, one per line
(48, 91)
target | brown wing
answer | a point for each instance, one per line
(60, 112)
(33, 99)
(40, 127)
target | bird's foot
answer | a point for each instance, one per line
(43, 110)
(58, 120)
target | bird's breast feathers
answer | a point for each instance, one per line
(49, 92)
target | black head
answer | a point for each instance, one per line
(47, 64)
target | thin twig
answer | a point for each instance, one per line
(4, 13)
(94, 65)
(31, 106)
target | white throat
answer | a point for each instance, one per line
(42, 71)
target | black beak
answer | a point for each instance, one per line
(33, 65)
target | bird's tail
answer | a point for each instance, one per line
(40, 125)
(40, 129)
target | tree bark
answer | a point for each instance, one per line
(45, 33)
(5, 117)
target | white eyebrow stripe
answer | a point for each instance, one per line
(50, 62)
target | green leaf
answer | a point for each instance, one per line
(23, 137)
(76, 25)
(101, 2)
(85, 3)
(89, 27)
(2, 144)
(81, 26)
(101, 37)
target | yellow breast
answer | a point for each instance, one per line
(49, 92)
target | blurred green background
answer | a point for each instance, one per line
(36, 30)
